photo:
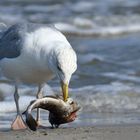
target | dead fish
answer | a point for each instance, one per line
(60, 112)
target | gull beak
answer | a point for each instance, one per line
(65, 91)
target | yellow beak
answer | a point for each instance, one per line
(65, 91)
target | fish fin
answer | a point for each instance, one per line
(32, 124)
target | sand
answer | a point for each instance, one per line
(80, 133)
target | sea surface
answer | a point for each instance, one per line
(106, 37)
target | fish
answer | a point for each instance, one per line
(60, 112)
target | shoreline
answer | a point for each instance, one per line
(113, 132)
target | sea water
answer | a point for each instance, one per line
(106, 37)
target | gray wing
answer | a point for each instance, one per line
(11, 41)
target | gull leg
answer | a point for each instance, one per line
(39, 96)
(18, 123)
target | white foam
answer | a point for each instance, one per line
(9, 106)
(114, 97)
(109, 98)
(26, 95)
(83, 23)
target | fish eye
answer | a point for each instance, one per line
(71, 102)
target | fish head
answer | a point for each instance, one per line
(67, 113)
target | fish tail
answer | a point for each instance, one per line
(31, 122)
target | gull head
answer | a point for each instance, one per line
(64, 64)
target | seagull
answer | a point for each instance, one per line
(33, 54)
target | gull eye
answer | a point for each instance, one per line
(58, 67)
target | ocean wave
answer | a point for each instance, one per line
(97, 31)
(26, 94)
(10, 19)
(106, 103)
(123, 77)
(7, 89)
(9, 105)
(89, 57)
(2, 28)
(83, 6)
(42, 8)
(112, 98)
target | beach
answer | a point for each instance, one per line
(120, 132)
(106, 37)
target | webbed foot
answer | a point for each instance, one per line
(18, 123)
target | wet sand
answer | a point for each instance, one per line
(129, 132)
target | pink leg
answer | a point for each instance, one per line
(18, 123)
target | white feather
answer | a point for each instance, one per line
(33, 65)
